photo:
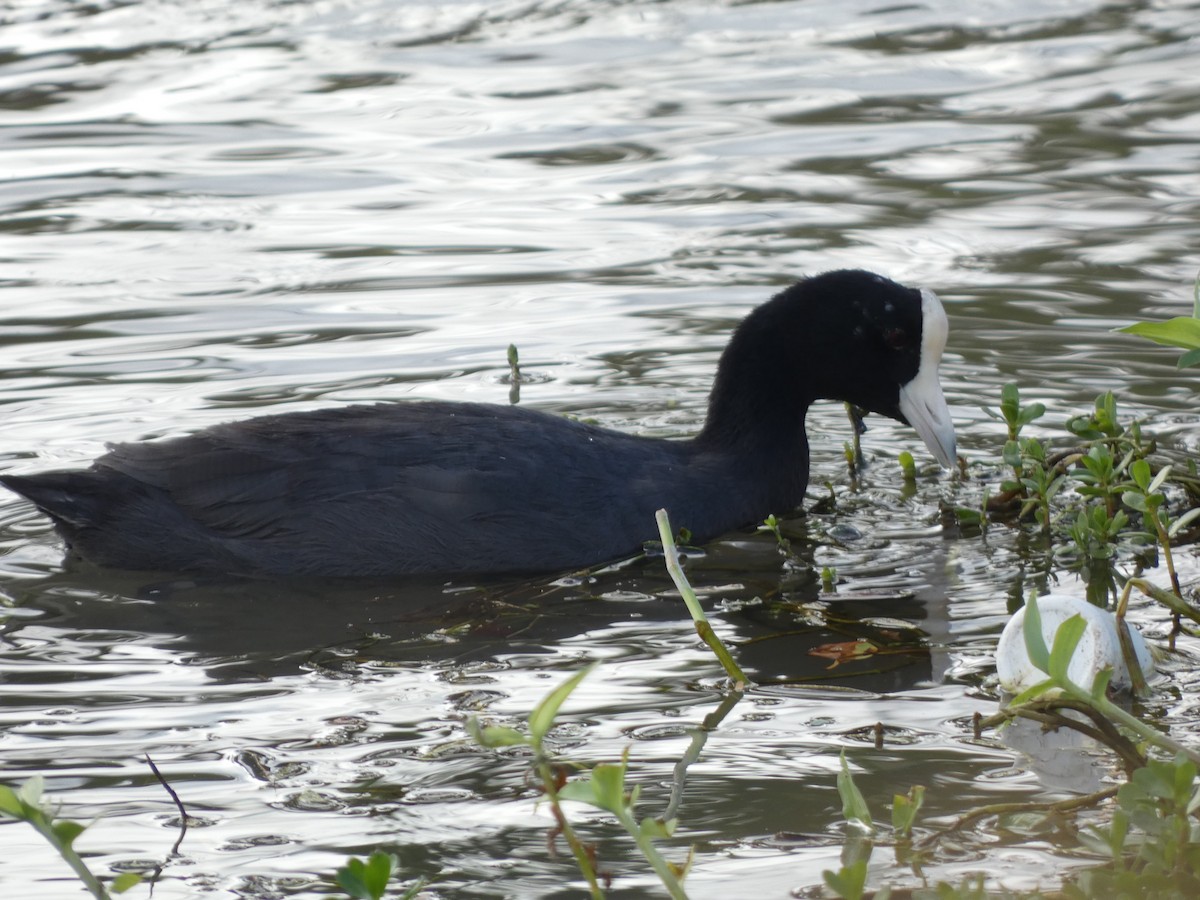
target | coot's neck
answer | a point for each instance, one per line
(768, 376)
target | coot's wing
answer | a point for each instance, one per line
(390, 466)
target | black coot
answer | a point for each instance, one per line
(446, 488)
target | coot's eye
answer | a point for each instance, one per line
(896, 338)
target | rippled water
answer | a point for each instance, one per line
(213, 209)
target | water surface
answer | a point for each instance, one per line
(215, 210)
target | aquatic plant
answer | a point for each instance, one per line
(1103, 499)
(368, 880)
(1151, 843)
(703, 627)
(27, 804)
(360, 880)
(603, 786)
(1181, 331)
(1055, 662)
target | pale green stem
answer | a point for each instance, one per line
(573, 841)
(1166, 598)
(703, 628)
(90, 881)
(661, 867)
(1133, 723)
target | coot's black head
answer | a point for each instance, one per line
(846, 335)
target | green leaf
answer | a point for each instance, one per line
(541, 720)
(1031, 412)
(125, 881)
(10, 803)
(967, 516)
(1140, 473)
(349, 879)
(905, 809)
(1100, 685)
(1158, 480)
(1189, 359)
(581, 790)
(1182, 331)
(1094, 839)
(1033, 692)
(854, 807)
(30, 792)
(1194, 801)
(66, 831)
(1066, 639)
(849, 881)
(1134, 500)
(378, 872)
(1035, 642)
(657, 828)
(1183, 521)
(367, 880)
(608, 783)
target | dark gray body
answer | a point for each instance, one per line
(396, 488)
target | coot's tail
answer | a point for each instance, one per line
(71, 499)
(114, 520)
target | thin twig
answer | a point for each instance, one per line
(1046, 711)
(1003, 809)
(183, 814)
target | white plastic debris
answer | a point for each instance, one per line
(1098, 649)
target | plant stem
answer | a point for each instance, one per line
(661, 867)
(703, 628)
(580, 853)
(1001, 809)
(82, 872)
(1134, 724)
(1165, 540)
(1172, 602)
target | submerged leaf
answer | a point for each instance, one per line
(495, 735)
(844, 651)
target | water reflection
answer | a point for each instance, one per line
(785, 630)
